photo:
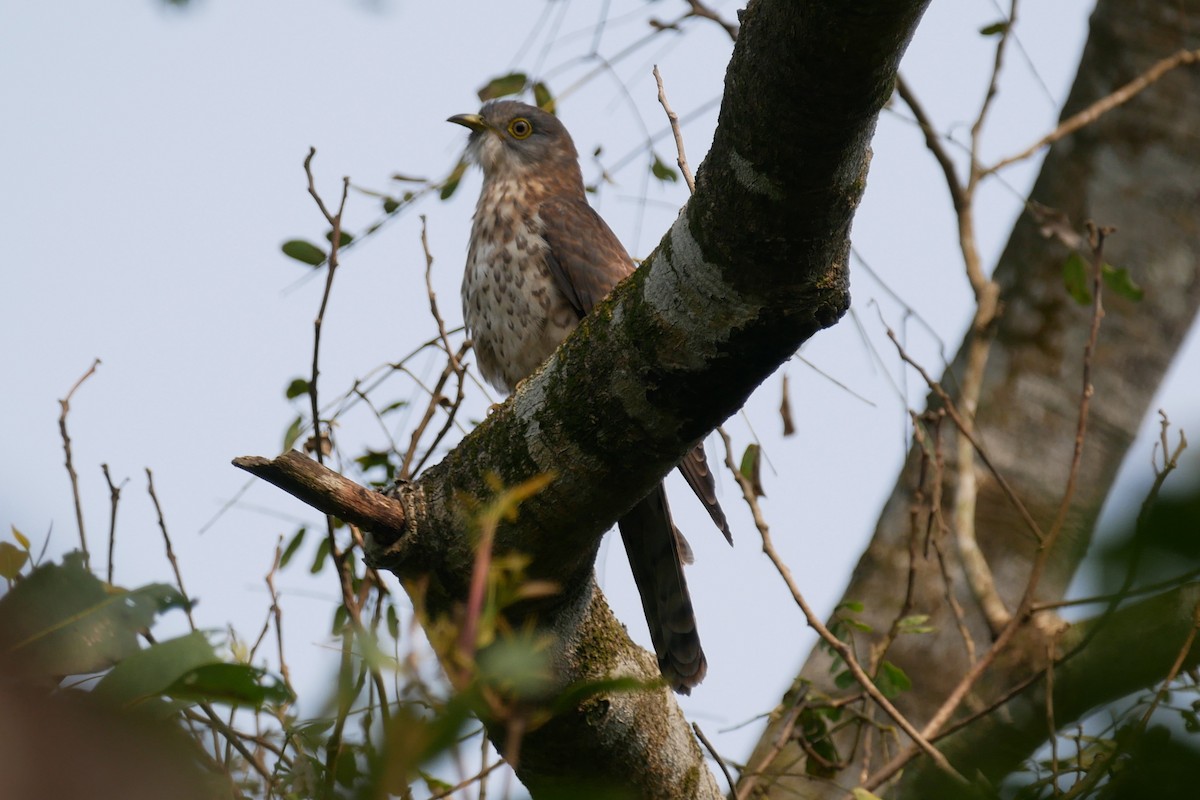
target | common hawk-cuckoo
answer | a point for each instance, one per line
(539, 259)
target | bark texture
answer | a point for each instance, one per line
(1137, 169)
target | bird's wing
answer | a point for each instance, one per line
(695, 470)
(585, 256)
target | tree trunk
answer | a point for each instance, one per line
(1136, 168)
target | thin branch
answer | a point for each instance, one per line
(162, 526)
(704, 12)
(1097, 236)
(1101, 107)
(277, 612)
(934, 143)
(1188, 641)
(477, 777)
(1045, 543)
(433, 304)
(952, 410)
(114, 495)
(814, 622)
(454, 367)
(989, 96)
(65, 403)
(335, 222)
(750, 777)
(712, 751)
(673, 118)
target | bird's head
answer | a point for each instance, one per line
(512, 139)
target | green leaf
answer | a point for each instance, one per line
(344, 238)
(751, 468)
(1077, 279)
(20, 537)
(892, 680)
(61, 620)
(293, 433)
(12, 558)
(346, 769)
(292, 547)
(150, 672)
(393, 623)
(451, 182)
(235, 684)
(503, 86)
(816, 733)
(995, 29)
(662, 171)
(435, 785)
(916, 623)
(390, 407)
(297, 388)
(853, 606)
(304, 252)
(322, 554)
(374, 458)
(341, 618)
(1120, 282)
(542, 97)
(844, 679)
(390, 204)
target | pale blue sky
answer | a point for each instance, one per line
(150, 166)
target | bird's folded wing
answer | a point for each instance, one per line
(585, 256)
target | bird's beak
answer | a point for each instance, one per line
(472, 121)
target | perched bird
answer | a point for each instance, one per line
(539, 259)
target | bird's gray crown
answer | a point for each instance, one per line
(509, 137)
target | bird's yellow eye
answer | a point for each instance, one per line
(520, 128)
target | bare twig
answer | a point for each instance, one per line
(276, 611)
(990, 95)
(814, 622)
(114, 495)
(673, 118)
(1188, 641)
(1102, 106)
(952, 411)
(934, 143)
(454, 367)
(65, 404)
(704, 12)
(335, 222)
(322, 439)
(783, 736)
(987, 309)
(433, 305)
(476, 778)
(1045, 543)
(939, 519)
(712, 751)
(162, 526)
(1097, 236)
(452, 406)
